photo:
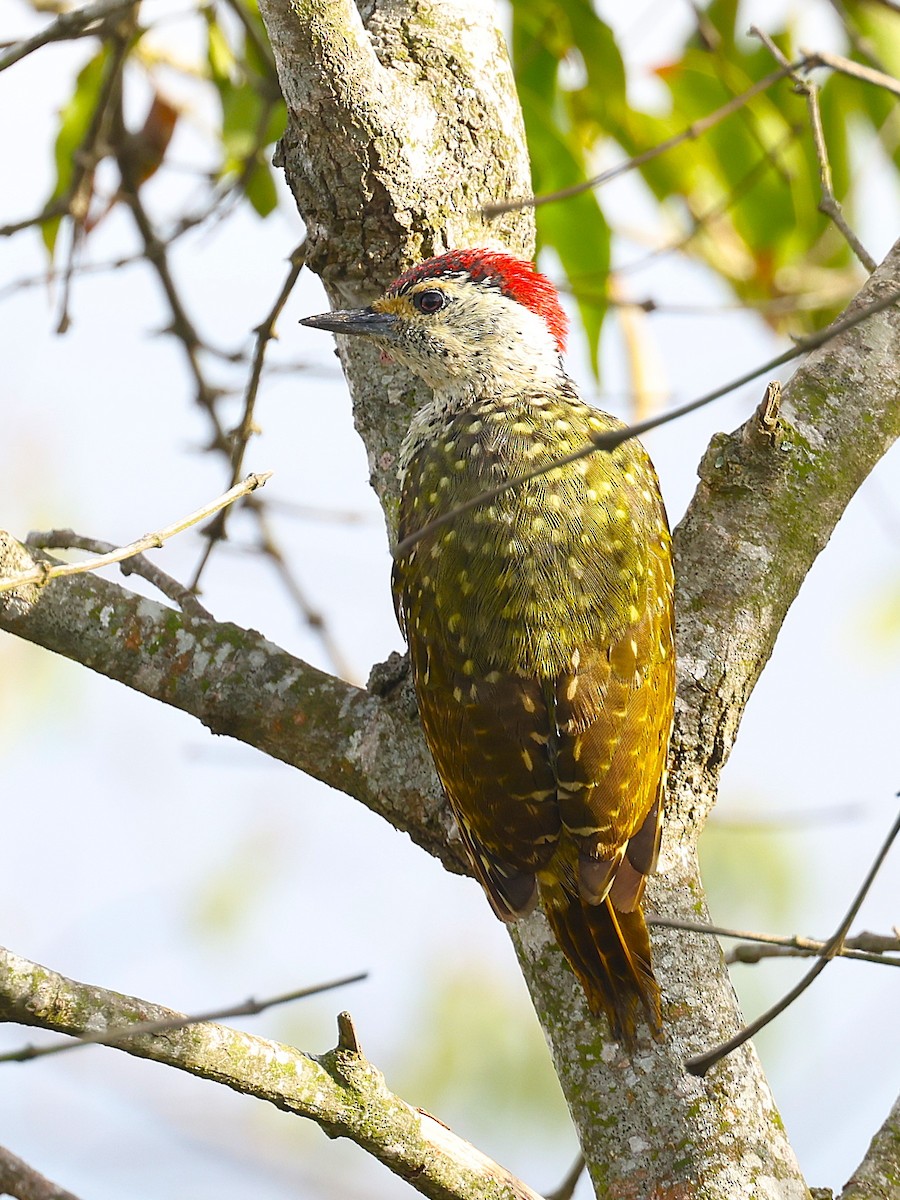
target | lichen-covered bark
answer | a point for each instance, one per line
(403, 121)
(765, 507)
(878, 1175)
(237, 683)
(341, 1091)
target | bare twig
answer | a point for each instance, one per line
(858, 41)
(609, 441)
(118, 1036)
(57, 209)
(44, 572)
(341, 1090)
(78, 23)
(265, 332)
(866, 947)
(566, 1189)
(23, 1182)
(181, 326)
(828, 204)
(231, 445)
(67, 539)
(852, 949)
(235, 446)
(699, 1064)
(693, 131)
(846, 66)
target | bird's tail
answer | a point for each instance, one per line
(609, 951)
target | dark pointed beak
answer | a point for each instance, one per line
(356, 320)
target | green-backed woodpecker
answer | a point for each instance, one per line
(539, 620)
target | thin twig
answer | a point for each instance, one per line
(181, 326)
(809, 60)
(751, 955)
(846, 66)
(118, 1036)
(858, 41)
(231, 445)
(68, 26)
(67, 539)
(828, 204)
(58, 208)
(566, 1189)
(265, 332)
(866, 947)
(693, 131)
(699, 1064)
(609, 441)
(43, 572)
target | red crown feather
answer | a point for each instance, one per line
(516, 278)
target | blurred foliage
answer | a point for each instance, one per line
(742, 198)
(228, 900)
(475, 1049)
(879, 628)
(746, 193)
(92, 124)
(749, 872)
(753, 879)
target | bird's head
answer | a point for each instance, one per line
(466, 319)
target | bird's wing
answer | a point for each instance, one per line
(613, 713)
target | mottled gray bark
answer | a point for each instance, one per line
(341, 1090)
(878, 1175)
(403, 121)
(402, 124)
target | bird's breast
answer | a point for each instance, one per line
(526, 577)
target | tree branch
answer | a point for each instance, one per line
(23, 1182)
(237, 683)
(341, 1091)
(77, 23)
(876, 1176)
(769, 497)
(864, 947)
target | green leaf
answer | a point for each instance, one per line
(75, 119)
(219, 54)
(260, 189)
(543, 35)
(575, 228)
(242, 115)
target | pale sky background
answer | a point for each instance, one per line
(143, 855)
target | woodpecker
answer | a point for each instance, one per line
(539, 621)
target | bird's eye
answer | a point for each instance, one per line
(431, 301)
